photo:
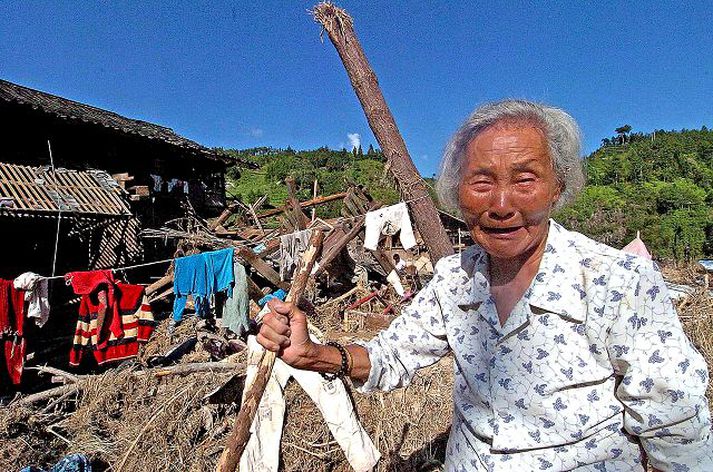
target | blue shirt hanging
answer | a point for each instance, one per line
(200, 275)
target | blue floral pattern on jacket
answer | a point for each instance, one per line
(591, 367)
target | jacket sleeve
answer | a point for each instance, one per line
(663, 378)
(416, 339)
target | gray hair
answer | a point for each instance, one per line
(561, 132)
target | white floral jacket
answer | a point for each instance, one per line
(591, 367)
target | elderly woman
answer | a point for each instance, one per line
(568, 354)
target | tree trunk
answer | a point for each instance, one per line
(339, 26)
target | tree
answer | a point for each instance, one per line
(622, 133)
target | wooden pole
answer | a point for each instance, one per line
(240, 434)
(308, 203)
(293, 203)
(339, 26)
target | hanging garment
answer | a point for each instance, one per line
(291, 248)
(236, 309)
(35, 287)
(71, 463)
(157, 182)
(135, 318)
(388, 221)
(101, 284)
(262, 453)
(12, 317)
(201, 275)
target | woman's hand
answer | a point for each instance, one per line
(284, 331)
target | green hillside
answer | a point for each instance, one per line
(659, 183)
(333, 170)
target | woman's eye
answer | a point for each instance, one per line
(480, 184)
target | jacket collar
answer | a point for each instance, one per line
(558, 286)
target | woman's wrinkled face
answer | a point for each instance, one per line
(507, 189)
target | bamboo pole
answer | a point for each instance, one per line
(303, 205)
(240, 434)
(340, 28)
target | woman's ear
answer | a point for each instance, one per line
(557, 194)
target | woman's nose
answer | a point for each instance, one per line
(501, 207)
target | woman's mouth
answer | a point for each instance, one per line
(500, 232)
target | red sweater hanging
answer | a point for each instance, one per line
(12, 317)
(113, 317)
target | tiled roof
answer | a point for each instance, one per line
(26, 190)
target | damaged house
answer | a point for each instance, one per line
(104, 176)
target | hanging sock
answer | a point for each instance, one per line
(388, 221)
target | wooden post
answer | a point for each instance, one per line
(293, 203)
(314, 195)
(339, 26)
(240, 434)
(247, 256)
(340, 244)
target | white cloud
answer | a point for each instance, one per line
(354, 139)
(256, 132)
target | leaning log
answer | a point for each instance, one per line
(339, 26)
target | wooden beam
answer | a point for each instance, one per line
(247, 256)
(306, 204)
(300, 219)
(340, 28)
(229, 210)
(336, 247)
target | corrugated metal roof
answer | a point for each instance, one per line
(38, 190)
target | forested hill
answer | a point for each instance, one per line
(334, 171)
(660, 184)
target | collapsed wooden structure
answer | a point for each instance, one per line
(64, 159)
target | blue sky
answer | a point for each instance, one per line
(243, 74)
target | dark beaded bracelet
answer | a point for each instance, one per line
(343, 367)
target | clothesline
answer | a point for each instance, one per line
(145, 264)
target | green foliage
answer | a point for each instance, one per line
(334, 171)
(660, 184)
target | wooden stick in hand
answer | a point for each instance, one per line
(240, 434)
